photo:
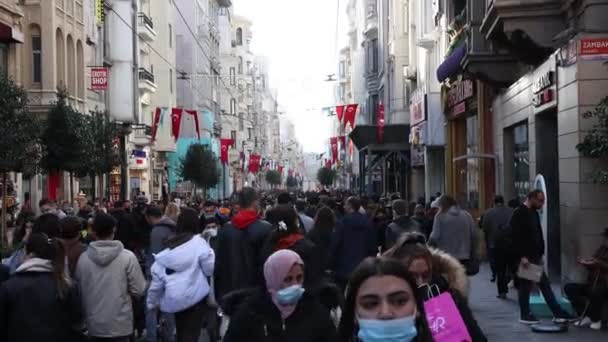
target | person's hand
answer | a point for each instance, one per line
(525, 262)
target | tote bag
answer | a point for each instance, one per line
(444, 319)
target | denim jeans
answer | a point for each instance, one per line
(168, 328)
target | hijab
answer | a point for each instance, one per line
(275, 270)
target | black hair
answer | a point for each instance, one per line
(284, 198)
(247, 197)
(498, 199)
(282, 214)
(153, 211)
(70, 227)
(325, 220)
(103, 225)
(372, 267)
(44, 201)
(47, 224)
(534, 193)
(354, 202)
(300, 205)
(514, 203)
(188, 222)
(400, 207)
(43, 247)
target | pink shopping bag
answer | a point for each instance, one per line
(444, 320)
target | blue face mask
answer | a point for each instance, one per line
(290, 295)
(393, 330)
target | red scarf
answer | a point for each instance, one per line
(289, 240)
(244, 218)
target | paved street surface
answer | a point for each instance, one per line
(499, 319)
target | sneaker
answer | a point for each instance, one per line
(596, 325)
(502, 296)
(564, 319)
(583, 322)
(528, 319)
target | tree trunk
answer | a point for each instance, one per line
(93, 186)
(71, 188)
(4, 209)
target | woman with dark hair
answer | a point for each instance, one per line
(320, 235)
(179, 277)
(382, 305)
(46, 224)
(286, 234)
(40, 303)
(428, 267)
(283, 310)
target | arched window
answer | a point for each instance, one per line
(239, 36)
(71, 66)
(240, 65)
(60, 60)
(36, 54)
(80, 81)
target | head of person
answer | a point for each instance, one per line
(285, 220)
(172, 211)
(535, 199)
(26, 224)
(210, 208)
(399, 208)
(153, 215)
(446, 202)
(300, 205)
(419, 210)
(284, 276)
(47, 206)
(40, 246)
(188, 222)
(248, 199)
(127, 205)
(211, 223)
(412, 252)
(325, 220)
(104, 226)
(47, 224)
(284, 198)
(499, 201)
(513, 203)
(382, 304)
(352, 205)
(71, 227)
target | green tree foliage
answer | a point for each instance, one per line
(199, 166)
(291, 182)
(595, 142)
(273, 177)
(326, 176)
(100, 150)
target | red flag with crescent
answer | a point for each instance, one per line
(340, 112)
(225, 145)
(176, 121)
(349, 116)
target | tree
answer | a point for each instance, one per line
(199, 166)
(291, 182)
(326, 176)
(595, 142)
(20, 136)
(273, 178)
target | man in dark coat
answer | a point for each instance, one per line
(352, 241)
(4, 273)
(401, 224)
(495, 225)
(239, 243)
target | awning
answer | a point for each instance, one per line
(451, 65)
(9, 34)
(395, 137)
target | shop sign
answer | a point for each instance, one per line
(417, 155)
(594, 48)
(417, 107)
(459, 92)
(542, 94)
(99, 79)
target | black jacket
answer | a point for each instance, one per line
(527, 233)
(31, 311)
(399, 226)
(4, 273)
(259, 320)
(353, 241)
(238, 257)
(322, 241)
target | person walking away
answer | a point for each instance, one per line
(70, 237)
(352, 241)
(46, 224)
(283, 310)
(109, 276)
(179, 277)
(497, 231)
(425, 225)
(401, 224)
(455, 232)
(590, 299)
(40, 302)
(239, 243)
(529, 246)
(306, 220)
(382, 304)
(320, 235)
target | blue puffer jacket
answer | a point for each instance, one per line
(179, 276)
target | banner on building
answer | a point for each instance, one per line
(225, 146)
(349, 116)
(340, 112)
(333, 141)
(254, 163)
(99, 78)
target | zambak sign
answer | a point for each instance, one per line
(99, 78)
(594, 48)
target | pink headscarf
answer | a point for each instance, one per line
(275, 270)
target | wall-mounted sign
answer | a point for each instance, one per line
(417, 154)
(459, 92)
(417, 107)
(99, 78)
(541, 89)
(594, 48)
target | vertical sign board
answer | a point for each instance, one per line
(539, 184)
(99, 79)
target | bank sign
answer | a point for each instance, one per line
(594, 48)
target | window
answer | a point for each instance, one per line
(372, 56)
(232, 76)
(239, 36)
(36, 57)
(342, 69)
(240, 65)
(233, 106)
(249, 133)
(170, 36)
(233, 135)
(406, 19)
(241, 122)
(521, 160)
(171, 80)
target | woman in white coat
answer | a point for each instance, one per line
(179, 277)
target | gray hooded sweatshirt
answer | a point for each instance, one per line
(109, 276)
(455, 233)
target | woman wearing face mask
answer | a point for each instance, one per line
(382, 305)
(419, 261)
(284, 311)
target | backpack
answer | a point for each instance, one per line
(504, 237)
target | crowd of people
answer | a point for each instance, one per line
(316, 266)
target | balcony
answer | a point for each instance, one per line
(541, 20)
(146, 81)
(142, 135)
(224, 3)
(145, 27)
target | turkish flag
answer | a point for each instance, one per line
(328, 163)
(176, 121)
(225, 145)
(349, 116)
(334, 148)
(189, 126)
(380, 123)
(155, 124)
(280, 168)
(340, 112)
(254, 163)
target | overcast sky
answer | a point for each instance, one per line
(298, 37)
